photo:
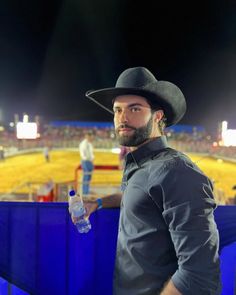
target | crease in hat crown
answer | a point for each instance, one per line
(140, 81)
(138, 77)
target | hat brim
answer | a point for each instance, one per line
(171, 101)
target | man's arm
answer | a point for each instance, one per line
(91, 204)
(110, 201)
(188, 211)
(170, 289)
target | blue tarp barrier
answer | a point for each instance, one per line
(9, 289)
(43, 254)
(225, 217)
(228, 269)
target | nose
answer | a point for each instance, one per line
(123, 118)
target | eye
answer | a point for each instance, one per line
(135, 109)
(117, 111)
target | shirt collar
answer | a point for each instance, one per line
(147, 150)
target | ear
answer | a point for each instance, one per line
(158, 115)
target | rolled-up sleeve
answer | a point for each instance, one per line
(188, 206)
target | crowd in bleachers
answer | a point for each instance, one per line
(70, 137)
(190, 143)
(54, 137)
(59, 137)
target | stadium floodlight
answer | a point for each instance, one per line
(229, 138)
(25, 118)
(228, 135)
(26, 130)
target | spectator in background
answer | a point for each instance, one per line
(2, 153)
(87, 158)
(46, 154)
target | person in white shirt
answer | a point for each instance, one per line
(87, 157)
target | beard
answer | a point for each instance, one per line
(139, 136)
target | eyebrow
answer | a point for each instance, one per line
(133, 105)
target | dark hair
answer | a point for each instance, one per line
(162, 123)
(89, 133)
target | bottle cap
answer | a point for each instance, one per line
(72, 193)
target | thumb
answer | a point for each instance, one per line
(90, 208)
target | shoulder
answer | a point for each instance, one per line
(83, 142)
(175, 159)
(173, 165)
(180, 181)
(168, 159)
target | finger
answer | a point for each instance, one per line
(74, 219)
(90, 209)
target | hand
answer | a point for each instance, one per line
(90, 207)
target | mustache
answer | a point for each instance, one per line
(121, 126)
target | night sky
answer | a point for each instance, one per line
(53, 51)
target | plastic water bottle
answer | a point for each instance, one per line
(78, 210)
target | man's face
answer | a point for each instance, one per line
(133, 119)
(89, 137)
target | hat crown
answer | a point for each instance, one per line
(140, 81)
(135, 78)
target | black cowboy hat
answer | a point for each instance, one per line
(140, 81)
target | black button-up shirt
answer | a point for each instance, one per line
(167, 229)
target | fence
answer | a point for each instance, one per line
(42, 253)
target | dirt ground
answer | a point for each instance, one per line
(17, 171)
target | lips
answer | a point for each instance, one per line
(125, 129)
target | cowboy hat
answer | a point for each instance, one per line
(140, 81)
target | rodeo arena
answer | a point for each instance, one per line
(41, 250)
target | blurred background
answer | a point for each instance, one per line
(52, 52)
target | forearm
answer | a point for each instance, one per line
(110, 201)
(91, 204)
(170, 289)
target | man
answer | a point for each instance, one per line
(87, 157)
(2, 153)
(46, 154)
(167, 240)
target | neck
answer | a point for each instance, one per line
(134, 148)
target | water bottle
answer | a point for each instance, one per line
(78, 210)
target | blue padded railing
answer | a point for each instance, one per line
(42, 253)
